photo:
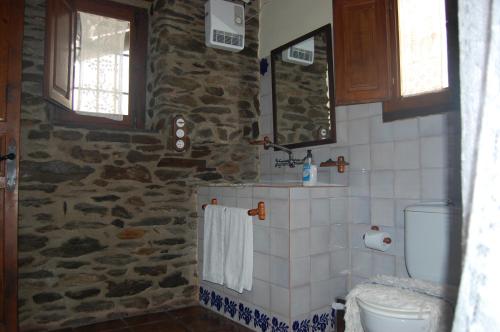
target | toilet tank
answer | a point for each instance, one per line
(432, 242)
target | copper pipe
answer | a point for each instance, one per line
(259, 211)
(264, 141)
(340, 164)
(212, 202)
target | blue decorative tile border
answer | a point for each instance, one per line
(253, 317)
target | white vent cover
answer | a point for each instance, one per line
(224, 25)
(301, 53)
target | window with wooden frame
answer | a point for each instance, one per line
(95, 63)
(424, 40)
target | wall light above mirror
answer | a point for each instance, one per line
(303, 94)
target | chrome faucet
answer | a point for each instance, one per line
(291, 161)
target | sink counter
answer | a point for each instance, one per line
(278, 185)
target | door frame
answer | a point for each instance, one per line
(13, 116)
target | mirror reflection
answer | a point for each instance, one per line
(302, 91)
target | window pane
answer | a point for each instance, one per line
(101, 65)
(422, 46)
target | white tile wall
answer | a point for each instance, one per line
(300, 298)
(280, 300)
(320, 240)
(299, 242)
(320, 267)
(320, 211)
(310, 248)
(280, 271)
(280, 242)
(300, 270)
(300, 213)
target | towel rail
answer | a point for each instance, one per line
(259, 211)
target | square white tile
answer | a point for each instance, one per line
(382, 184)
(382, 212)
(280, 271)
(382, 155)
(360, 210)
(261, 239)
(320, 267)
(320, 294)
(339, 236)
(299, 193)
(280, 300)
(320, 211)
(407, 184)
(278, 211)
(434, 152)
(433, 125)
(300, 270)
(435, 184)
(280, 242)
(339, 263)
(380, 131)
(320, 239)
(362, 262)
(300, 298)
(338, 287)
(384, 264)
(261, 294)
(407, 155)
(359, 131)
(299, 214)
(339, 208)
(360, 157)
(359, 183)
(406, 129)
(261, 266)
(299, 242)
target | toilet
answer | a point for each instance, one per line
(432, 253)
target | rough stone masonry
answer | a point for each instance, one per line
(107, 222)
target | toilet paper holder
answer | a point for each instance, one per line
(387, 240)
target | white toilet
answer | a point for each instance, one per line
(432, 253)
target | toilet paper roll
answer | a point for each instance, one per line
(375, 240)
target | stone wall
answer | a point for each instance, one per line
(302, 97)
(108, 218)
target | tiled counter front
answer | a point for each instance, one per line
(301, 258)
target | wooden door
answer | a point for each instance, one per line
(362, 51)
(11, 35)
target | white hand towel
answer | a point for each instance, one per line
(238, 270)
(214, 229)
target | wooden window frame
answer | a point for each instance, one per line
(64, 115)
(399, 107)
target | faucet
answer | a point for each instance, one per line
(291, 161)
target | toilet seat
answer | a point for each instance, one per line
(388, 311)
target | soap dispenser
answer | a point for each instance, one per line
(310, 171)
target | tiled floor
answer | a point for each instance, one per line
(192, 319)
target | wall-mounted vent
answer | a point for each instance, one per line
(227, 38)
(301, 53)
(224, 25)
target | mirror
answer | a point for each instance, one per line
(302, 82)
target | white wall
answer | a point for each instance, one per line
(392, 165)
(284, 20)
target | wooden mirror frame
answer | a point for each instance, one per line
(327, 30)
